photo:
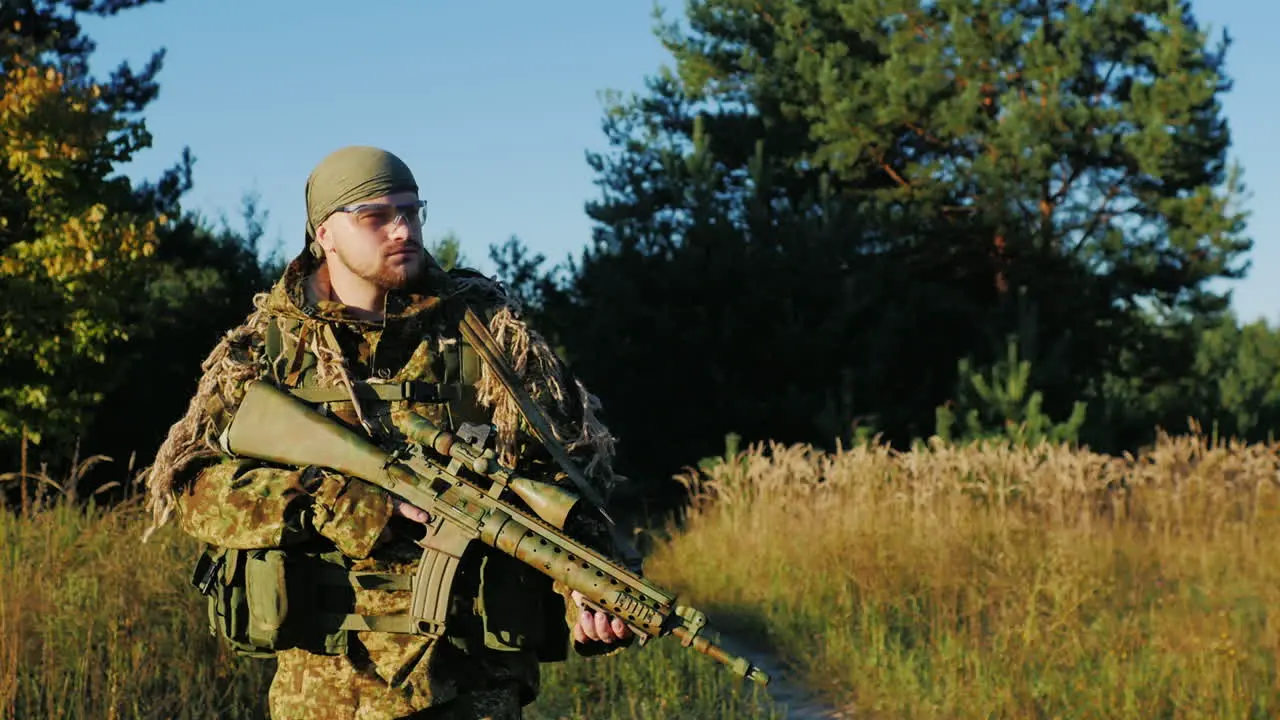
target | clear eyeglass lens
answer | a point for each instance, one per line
(378, 216)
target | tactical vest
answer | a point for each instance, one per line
(261, 601)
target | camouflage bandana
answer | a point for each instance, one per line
(349, 175)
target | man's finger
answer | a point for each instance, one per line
(620, 629)
(602, 627)
(588, 624)
(412, 512)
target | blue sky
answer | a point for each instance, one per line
(494, 105)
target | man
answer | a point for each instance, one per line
(365, 305)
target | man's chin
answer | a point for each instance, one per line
(398, 275)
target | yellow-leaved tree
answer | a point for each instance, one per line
(75, 240)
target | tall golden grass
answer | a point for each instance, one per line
(948, 581)
(96, 625)
(996, 581)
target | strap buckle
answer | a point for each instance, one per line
(427, 392)
(205, 574)
(418, 391)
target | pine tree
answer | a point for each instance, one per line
(911, 182)
(1083, 143)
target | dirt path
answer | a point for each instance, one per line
(800, 703)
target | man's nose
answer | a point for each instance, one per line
(400, 228)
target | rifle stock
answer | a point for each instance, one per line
(271, 425)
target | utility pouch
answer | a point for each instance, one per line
(219, 575)
(258, 606)
(513, 603)
(267, 594)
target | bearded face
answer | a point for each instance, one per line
(378, 240)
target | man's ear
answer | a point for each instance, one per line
(324, 238)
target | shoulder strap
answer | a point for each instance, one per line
(289, 358)
(412, 390)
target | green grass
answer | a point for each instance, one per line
(659, 680)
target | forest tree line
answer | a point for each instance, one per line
(827, 221)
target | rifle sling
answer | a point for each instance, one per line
(474, 330)
(435, 591)
(477, 333)
(406, 624)
(413, 390)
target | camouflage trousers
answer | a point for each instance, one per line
(501, 704)
(484, 705)
(331, 688)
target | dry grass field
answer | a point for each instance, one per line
(966, 582)
(946, 582)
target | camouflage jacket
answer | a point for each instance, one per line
(298, 337)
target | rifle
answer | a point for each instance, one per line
(433, 471)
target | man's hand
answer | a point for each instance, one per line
(591, 625)
(413, 512)
(597, 625)
(403, 509)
